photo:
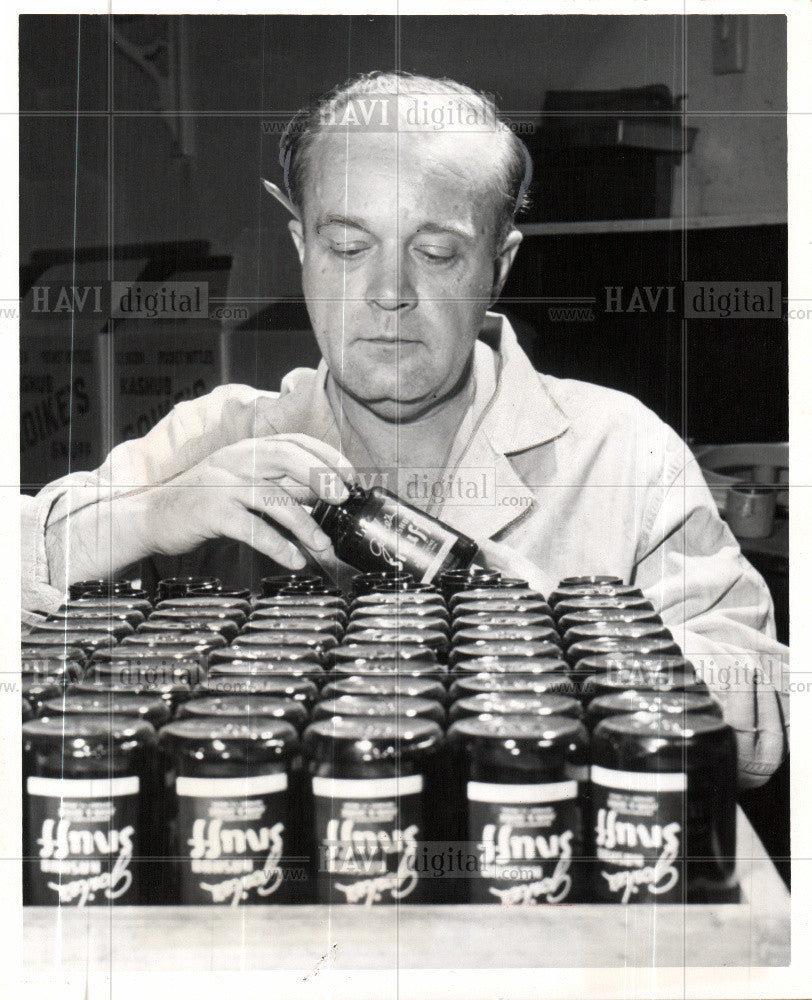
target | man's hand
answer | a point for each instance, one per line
(250, 491)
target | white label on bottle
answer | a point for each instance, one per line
(83, 788)
(258, 784)
(554, 791)
(639, 781)
(367, 788)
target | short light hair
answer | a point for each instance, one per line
(515, 166)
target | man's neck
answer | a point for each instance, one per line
(424, 441)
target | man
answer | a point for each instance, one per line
(406, 190)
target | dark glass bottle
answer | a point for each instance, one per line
(86, 642)
(264, 626)
(233, 811)
(255, 685)
(386, 686)
(192, 615)
(226, 593)
(244, 708)
(181, 627)
(604, 663)
(617, 644)
(397, 620)
(641, 679)
(470, 685)
(587, 581)
(417, 614)
(150, 708)
(370, 583)
(56, 668)
(663, 809)
(271, 585)
(376, 789)
(403, 599)
(593, 590)
(90, 788)
(36, 690)
(494, 605)
(206, 602)
(502, 703)
(143, 665)
(602, 601)
(131, 616)
(294, 613)
(503, 649)
(486, 632)
(375, 531)
(308, 600)
(183, 586)
(352, 652)
(294, 669)
(501, 620)
(667, 704)
(111, 604)
(173, 693)
(529, 665)
(573, 619)
(521, 779)
(104, 589)
(319, 643)
(457, 580)
(370, 706)
(265, 654)
(586, 631)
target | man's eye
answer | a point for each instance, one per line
(436, 255)
(348, 249)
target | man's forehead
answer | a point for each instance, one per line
(444, 166)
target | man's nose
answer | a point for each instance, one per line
(390, 284)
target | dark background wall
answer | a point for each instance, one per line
(111, 177)
(243, 68)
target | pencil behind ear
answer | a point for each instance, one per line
(281, 197)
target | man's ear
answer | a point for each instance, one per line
(296, 231)
(503, 263)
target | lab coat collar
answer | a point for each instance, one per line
(521, 413)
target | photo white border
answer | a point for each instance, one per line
(512, 983)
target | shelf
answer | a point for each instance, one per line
(673, 222)
(97, 940)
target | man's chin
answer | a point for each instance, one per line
(398, 410)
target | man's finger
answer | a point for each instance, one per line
(243, 526)
(277, 459)
(282, 506)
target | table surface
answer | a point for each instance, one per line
(754, 932)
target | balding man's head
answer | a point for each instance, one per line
(407, 197)
(468, 133)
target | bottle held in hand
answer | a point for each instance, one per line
(375, 531)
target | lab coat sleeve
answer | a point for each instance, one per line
(192, 430)
(718, 608)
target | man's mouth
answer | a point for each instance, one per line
(390, 340)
